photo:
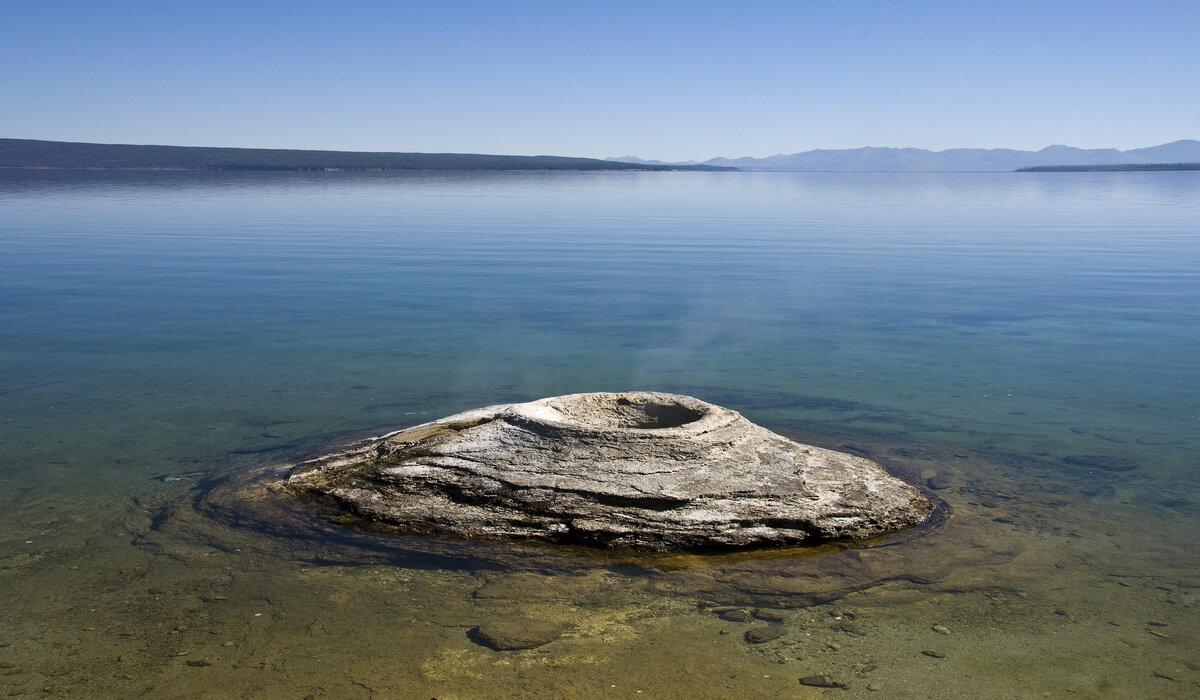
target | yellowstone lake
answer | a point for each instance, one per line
(1024, 347)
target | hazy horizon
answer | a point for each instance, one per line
(627, 155)
(666, 81)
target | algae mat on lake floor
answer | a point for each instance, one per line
(1033, 586)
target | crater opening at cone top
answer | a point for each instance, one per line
(608, 411)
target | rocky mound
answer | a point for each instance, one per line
(639, 469)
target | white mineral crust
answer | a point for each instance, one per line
(639, 469)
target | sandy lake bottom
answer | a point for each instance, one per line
(1025, 590)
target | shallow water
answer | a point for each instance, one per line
(1025, 341)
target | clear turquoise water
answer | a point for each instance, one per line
(155, 326)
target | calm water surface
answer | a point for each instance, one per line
(1023, 345)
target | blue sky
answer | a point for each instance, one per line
(667, 80)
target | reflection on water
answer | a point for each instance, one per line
(1019, 345)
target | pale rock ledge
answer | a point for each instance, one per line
(638, 470)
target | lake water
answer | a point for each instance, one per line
(1023, 346)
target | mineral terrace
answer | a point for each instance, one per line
(639, 470)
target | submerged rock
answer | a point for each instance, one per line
(515, 634)
(640, 470)
(821, 680)
(760, 635)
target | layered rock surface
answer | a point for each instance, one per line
(639, 469)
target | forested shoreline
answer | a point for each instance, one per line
(27, 153)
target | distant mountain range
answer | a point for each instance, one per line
(953, 160)
(28, 153)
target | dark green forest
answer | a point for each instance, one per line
(26, 153)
